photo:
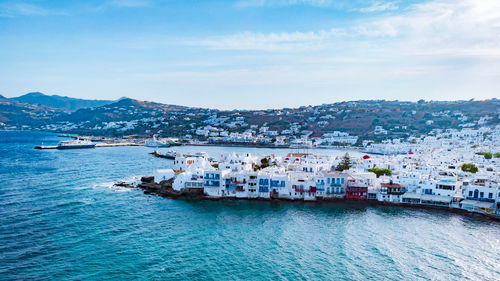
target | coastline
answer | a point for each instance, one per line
(223, 144)
(164, 189)
(344, 148)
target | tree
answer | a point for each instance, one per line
(264, 163)
(487, 155)
(470, 168)
(379, 172)
(345, 164)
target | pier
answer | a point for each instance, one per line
(97, 145)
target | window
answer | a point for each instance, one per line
(481, 194)
(342, 181)
(470, 193)
(490, 195)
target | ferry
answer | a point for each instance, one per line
(74, 144)
(154, 142)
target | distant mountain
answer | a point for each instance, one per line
(125, 109)
(19, 114)
(70, 104)
(399, 119)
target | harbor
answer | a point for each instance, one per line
(74, 196)
(97, 145)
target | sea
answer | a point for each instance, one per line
(62, 219)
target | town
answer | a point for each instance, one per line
(345, 124)
(453, 169)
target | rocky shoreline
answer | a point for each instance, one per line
(164, 189)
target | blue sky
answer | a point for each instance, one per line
(251, 53)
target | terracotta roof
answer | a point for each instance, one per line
(393, 185)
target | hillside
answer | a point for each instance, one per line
(18, 114)
(358, 118)
(367, 120)
(55, 101)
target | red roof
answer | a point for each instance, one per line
(393, 185)
(366, 157)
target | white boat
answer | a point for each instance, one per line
(74, 144)
(154, 142)
(169, 154)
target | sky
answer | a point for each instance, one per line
(251, 54)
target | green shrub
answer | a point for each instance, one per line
(469, 167)
(379, 172)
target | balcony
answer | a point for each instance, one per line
(210, 183)
(239, 182)
(357, 189)
(480, 199)
(334, 191)
(396, 191)
(277, 184)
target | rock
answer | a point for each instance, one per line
(148, 179)
(164, 188)
(124, 184)
(193, 192)
(167, 183)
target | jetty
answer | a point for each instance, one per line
(97, 145)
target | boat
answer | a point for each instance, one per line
(154, 142)
(168, 155)
(174, 142)
(74, 144)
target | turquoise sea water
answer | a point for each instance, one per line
(60, 219)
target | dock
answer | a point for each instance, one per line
(97, 145)
(117, 144)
